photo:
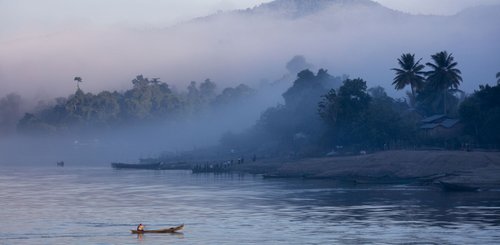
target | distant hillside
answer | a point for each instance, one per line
(300, 8)
(360, 38)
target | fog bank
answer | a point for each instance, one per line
(361, 39)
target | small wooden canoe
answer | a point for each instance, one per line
(167, 230)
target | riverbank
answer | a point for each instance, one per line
(481, 169)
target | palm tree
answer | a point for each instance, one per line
(443, 74)
(498, 78)
(78, 81)
(410, 73)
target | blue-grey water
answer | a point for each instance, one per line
(100, 206)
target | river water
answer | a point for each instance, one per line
(100, 206)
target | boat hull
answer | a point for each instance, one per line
(454, 187)
(167, 230)
(154, 166)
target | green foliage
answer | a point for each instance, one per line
(303, 97)
(207, 91)
(357, 119)
(232, 95)
(148, 99)
(199, 97)
(443, 74)
(296, 124)
(344, 111)
(430, 101)
(480, 114)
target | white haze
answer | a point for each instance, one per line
(436, 7)
(247, 47)
(361, 40)
(133, 141)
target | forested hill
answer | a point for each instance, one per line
(148, 100)
(319, 113)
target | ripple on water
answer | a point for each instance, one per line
(96, 206)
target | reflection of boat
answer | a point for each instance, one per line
(136, 166)
(167, 230)
(446, 186)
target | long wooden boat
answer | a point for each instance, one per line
(167, 230)
(135, 166)
(456, 187)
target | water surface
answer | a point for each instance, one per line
(100, 206)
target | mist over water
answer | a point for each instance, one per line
(297, 84)
(142, 139)
(356, 38)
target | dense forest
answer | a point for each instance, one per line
(321, 114)
(148, 100)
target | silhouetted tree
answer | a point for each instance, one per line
(480, 114)
(78, 81)
(443, 74)
(232, 95)
(360, 119)
(410, 73)
(344, 111)
(207, 91)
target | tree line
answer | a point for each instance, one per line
(147, 100)
(316, 119)
(321, 113)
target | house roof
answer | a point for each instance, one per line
(429, 125)
(449, 123)
(433, 118)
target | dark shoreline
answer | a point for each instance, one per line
(448, 169)
(471, 169)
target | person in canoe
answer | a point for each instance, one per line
(140, 228)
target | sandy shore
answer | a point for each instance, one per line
(481, 169)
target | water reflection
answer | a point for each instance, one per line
(102, 205)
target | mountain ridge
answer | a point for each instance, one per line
(296, 9)
(300, 8)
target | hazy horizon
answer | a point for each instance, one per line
(45, 45)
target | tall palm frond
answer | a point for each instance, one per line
(409, 73)
(443, 74)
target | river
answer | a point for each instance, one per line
(100, 205)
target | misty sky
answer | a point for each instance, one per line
(37, 40)
(439, 7)
(22, 18)
(45, 44)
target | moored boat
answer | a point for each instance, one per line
(456, 187)
(167, 230)
(135, 166)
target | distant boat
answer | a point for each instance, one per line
(167, 230)
(135, 166)
(60, 164)
(456, 187)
